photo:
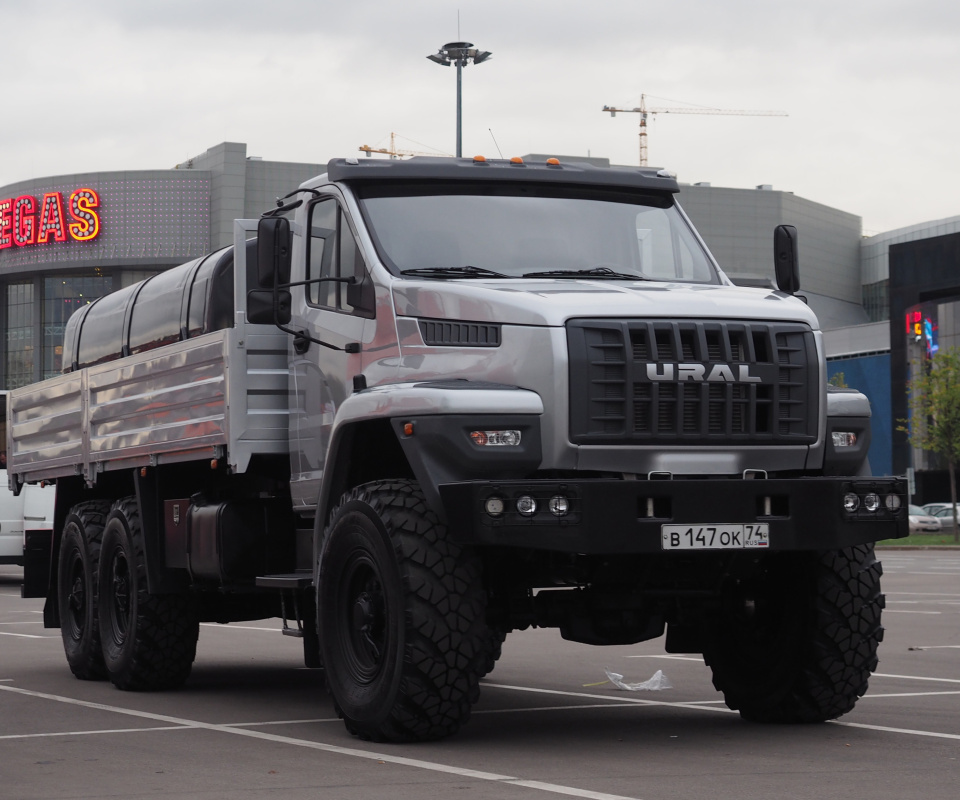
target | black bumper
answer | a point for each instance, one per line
(623, 516)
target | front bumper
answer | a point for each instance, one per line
(627, 516)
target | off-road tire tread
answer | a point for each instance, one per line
(447, 639)
(91, 516)
(837, 648)
(166, 627)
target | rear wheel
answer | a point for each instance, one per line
(800, 644)
(77, 589)
(149, 641)
(401, 612)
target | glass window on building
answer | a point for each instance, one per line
(876, 300)
(62, 295)
(20, 354)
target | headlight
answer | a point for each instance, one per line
(851, 502)
(507, 438)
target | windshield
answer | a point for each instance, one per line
(523, 230)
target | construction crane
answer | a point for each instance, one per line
(643, 111)
(394, 153)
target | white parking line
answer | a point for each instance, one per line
(93, 733)
(916, 678)
(673, 658)
(388, 758)
(877, 695)
(906, 611)
(950, 574)
(27, 635)
(909, 731)
(233, 627)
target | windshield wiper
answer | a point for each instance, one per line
(593, 272)
(453, 272)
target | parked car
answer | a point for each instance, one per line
(933, 508)
(921, 522)
(945, 515)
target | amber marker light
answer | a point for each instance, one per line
(479, 159)
(408, 429)
(553, 162)
(516, 160)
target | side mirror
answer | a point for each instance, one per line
(785, 258)
(269, 306)
(273, 252)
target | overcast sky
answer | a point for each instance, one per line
(872, 89)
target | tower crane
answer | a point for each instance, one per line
(393, 152)
(643, 111)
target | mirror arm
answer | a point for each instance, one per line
(302, 334)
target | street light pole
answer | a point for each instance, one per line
(461, 54)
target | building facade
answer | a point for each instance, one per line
(67, 240)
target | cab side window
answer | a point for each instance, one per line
(334, 253)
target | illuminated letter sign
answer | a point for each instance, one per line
(87, 225)
(25, 220)
(6, 223)
(51, 219)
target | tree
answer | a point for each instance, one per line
(839, 380)
(934, 399)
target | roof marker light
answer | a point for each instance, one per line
(479, 159)
(516, 160)
(553, 162)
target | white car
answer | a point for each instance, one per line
(933, 508)
(921, 522)
(945, 515)
(32, 510)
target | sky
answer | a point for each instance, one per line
(871, 89)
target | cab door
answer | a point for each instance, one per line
(321, 375)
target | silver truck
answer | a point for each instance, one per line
(422, 404)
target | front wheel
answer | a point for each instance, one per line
(401, 613)
(799, 643)
(149, 640)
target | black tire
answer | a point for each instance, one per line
(149, 641)
(492, 652)
(401, 611)
(77, 589)
(800, 645)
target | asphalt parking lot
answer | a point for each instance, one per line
(252, 723)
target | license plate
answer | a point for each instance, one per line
(714, 537)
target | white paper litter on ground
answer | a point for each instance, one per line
(656, 683)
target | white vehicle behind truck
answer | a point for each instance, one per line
(427, 403)
(31, 509)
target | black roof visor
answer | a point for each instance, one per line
(463, 169)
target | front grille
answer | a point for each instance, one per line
(692, 382)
